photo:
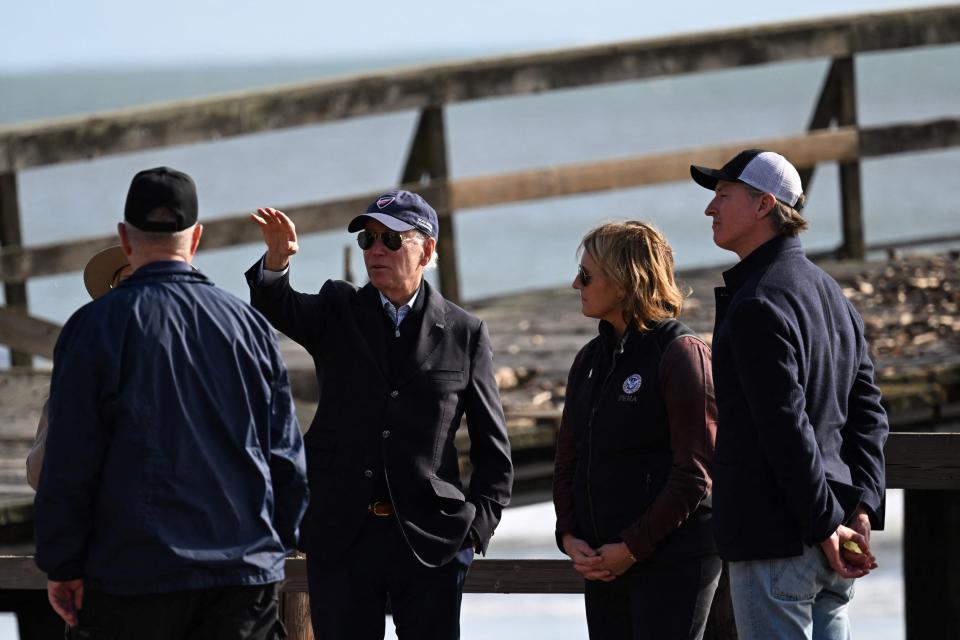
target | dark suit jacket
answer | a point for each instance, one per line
(413, 421)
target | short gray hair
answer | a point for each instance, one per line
(175, 242)
(423, 237)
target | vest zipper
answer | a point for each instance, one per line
(593, 413)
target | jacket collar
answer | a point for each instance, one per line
(610, 339)
(432, 326)
(165, 270)
(760, 258)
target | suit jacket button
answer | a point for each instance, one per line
(386, 433)
(368, 473)
(394, 393)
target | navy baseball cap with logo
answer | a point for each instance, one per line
(763, 170)
(161, 188)
(400, 211)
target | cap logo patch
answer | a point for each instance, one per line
(385, 201)
(632, 384)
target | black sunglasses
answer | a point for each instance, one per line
(583, 276)
(392, 240)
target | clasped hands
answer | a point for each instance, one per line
(606, 563)
(847, 563)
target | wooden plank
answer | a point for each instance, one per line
(486, 576)
(427, 164)
(923, 461)
(19, 572)
(909, 137)
(15, 294)
(851, 201)
(803, 150)
(221, 117)
(295, 614)
(19, 264)
(931, 577)
(27, 334)
(823, 114)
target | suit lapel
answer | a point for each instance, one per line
(367, 312)
(431, 333)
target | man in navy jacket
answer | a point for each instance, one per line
(799, 468)
(398, 368)
(174, 478)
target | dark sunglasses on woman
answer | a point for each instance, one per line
(583, 276)
(391, 239)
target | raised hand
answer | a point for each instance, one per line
(280, 236)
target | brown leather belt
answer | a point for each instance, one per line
(380, 509)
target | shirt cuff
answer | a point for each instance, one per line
(268, 277)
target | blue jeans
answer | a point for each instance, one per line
(786, 598)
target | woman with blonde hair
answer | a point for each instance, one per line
(632, 481)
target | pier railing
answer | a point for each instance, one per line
(834, 135)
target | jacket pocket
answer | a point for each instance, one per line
(794, 579)
(447, 490)
(445, 374)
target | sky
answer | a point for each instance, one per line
(59, 35)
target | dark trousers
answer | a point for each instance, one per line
(218, 613)
(348, 597)
(654, 601)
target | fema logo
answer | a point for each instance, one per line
(632, 384)
(384, 201)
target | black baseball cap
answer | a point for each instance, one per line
(161, 188)
(400, 211)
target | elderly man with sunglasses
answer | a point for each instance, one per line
(398, 367)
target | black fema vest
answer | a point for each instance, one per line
(616, 409)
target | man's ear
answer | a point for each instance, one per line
(429, 246)
(765, 204)
(124, 239)
(195, 240)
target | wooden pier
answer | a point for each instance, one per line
(535, 335)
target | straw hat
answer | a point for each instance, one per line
(101, 270)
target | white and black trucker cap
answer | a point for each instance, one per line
(764, 170)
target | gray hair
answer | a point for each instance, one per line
(177, 242)
(421, 238)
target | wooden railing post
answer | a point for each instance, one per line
(931, 565)
(427, 165)
(15, 293)
(295, 615)
(824, 113)
(851, 201)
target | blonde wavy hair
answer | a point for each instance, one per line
(637, 258)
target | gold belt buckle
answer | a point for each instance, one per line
(381, 509)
